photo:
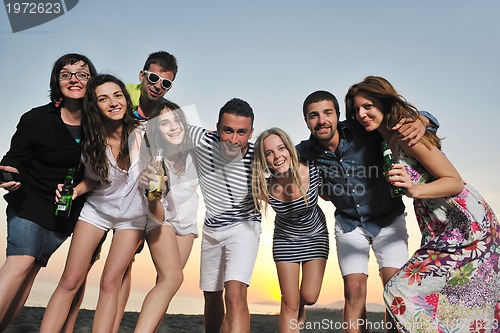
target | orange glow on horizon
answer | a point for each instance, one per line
(264, 285)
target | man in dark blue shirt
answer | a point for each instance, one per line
(351, 165)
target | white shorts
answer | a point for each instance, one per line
(227, 254)
(180, 229)
(390, 247)
(106, 222)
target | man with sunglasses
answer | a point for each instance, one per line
(156, 78)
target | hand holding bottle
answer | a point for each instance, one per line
(149, 174)
(389, 163)
(399, 177)
(59, 189)
(155, 177)
(64, 198)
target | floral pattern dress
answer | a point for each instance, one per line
(452, 283)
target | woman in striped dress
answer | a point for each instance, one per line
(300, 235)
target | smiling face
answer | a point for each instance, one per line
(234, 132)
(111, 101)
(368, 111)
(277, 155)
(154, 92)
(74, 88)
(170, 126)
(321, 119)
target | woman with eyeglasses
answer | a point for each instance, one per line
(45, 145)
(300, 240)
(173, 228)
(111, 157)
(452, 283)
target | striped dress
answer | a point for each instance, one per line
(300, 232)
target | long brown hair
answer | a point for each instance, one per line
(154, 139)
(394, 106)
(94, 140)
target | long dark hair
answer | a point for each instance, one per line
(95, 136)
(394, 106)
(154, 138)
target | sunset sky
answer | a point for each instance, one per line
(441, 55)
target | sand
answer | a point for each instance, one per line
(319, 320)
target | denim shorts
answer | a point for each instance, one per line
(26, 238)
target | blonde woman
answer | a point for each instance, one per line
(300, 241)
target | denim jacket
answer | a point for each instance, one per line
(353, 178)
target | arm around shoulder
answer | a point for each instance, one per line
(429, 121)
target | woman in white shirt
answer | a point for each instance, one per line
(112, 171)
(173, 219)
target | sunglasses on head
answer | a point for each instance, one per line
(154, 78)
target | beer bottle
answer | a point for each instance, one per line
(63, 207)
(389, 161)
(157, 186)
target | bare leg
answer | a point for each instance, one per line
(122, 250)
(214, 311)
(288, 276)
(185, 244)
(386, 274)
(355, 302)
(302, 318)
(237, 318)
(162, 242)
(69, 325)
(124, 295)
(310, 284)
(17, 274)
(84, 241)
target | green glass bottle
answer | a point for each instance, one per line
(63, 207)
(389, 161)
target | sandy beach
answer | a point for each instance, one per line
(319, 320)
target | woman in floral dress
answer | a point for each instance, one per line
(452, 283)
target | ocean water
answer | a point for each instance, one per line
(41, 293)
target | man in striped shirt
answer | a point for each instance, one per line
(232, 224)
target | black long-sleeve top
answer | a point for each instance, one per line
(43, 149)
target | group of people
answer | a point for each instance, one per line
(111, 132)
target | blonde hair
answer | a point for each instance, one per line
(260, 168)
